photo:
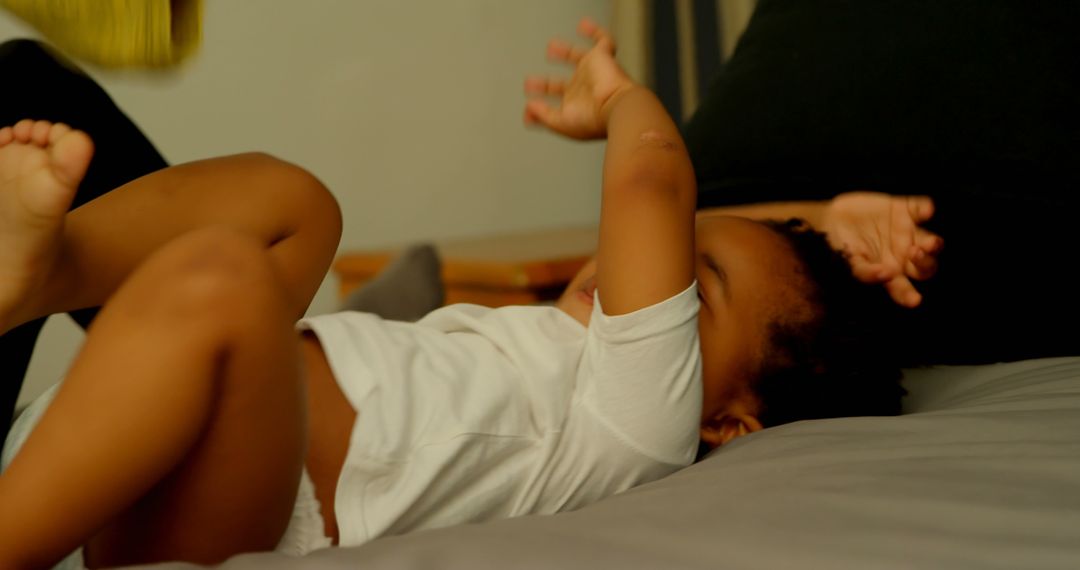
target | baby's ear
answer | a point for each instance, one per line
(726, 425)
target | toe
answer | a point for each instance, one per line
(57, 132)
(39, 134)
(70, 156)
(22, 130)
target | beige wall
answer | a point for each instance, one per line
(409, 110)
(632, 25)
(734, 15)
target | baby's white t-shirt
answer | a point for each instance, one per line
(474, 413)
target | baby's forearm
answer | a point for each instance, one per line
(644, 143)
(277, 203)
(809, 211)
(647, 214)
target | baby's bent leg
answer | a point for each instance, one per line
(179, 432)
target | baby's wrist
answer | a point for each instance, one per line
(608, 106)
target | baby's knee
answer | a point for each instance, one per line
(298, 187)
(217, 273)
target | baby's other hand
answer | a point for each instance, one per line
(596, 82)
(884, 241)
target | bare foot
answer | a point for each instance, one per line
(41, 166)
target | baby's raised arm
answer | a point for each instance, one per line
(647, 210)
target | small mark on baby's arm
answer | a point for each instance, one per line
(656, 139)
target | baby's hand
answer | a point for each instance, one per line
(596, 81)
(882, 238)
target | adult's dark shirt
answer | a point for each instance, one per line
(974, 102)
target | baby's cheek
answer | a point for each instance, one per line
(572, 304)
(587, 271)
(572, 301)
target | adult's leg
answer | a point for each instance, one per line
(179, 431)
(53, 89)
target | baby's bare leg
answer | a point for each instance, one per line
(179, 432)
(97, 246)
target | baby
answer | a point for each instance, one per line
(197, 423)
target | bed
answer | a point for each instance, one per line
(982, 471)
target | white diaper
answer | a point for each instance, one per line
(304, 534)
(306, 531)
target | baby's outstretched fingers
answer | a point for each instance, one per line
(921, 265)
(589, 29)
(903, 292)
(921, 208)
(538, 111)
(537, 85)
(868, 272)
(597, 77)
(558, 50)
(929, 242)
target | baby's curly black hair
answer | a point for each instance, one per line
(832, 360)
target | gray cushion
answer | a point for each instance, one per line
(408, 288)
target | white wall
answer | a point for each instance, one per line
(409, 110)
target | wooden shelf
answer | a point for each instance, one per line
(509, 269)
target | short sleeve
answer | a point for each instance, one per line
(640, 375)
